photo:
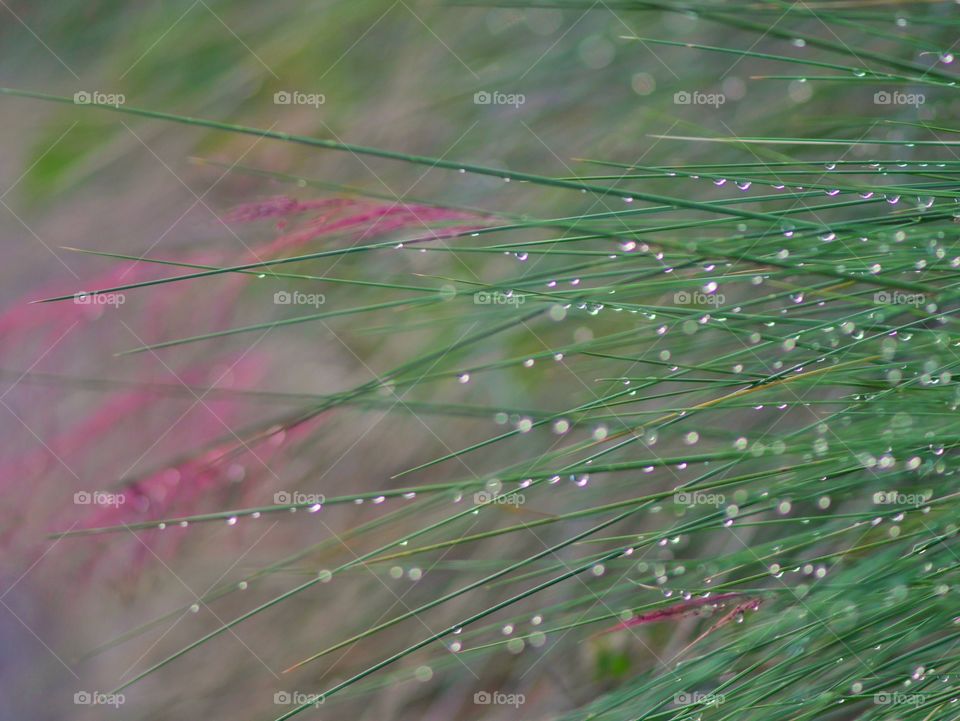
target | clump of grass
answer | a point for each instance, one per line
(738, 460)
